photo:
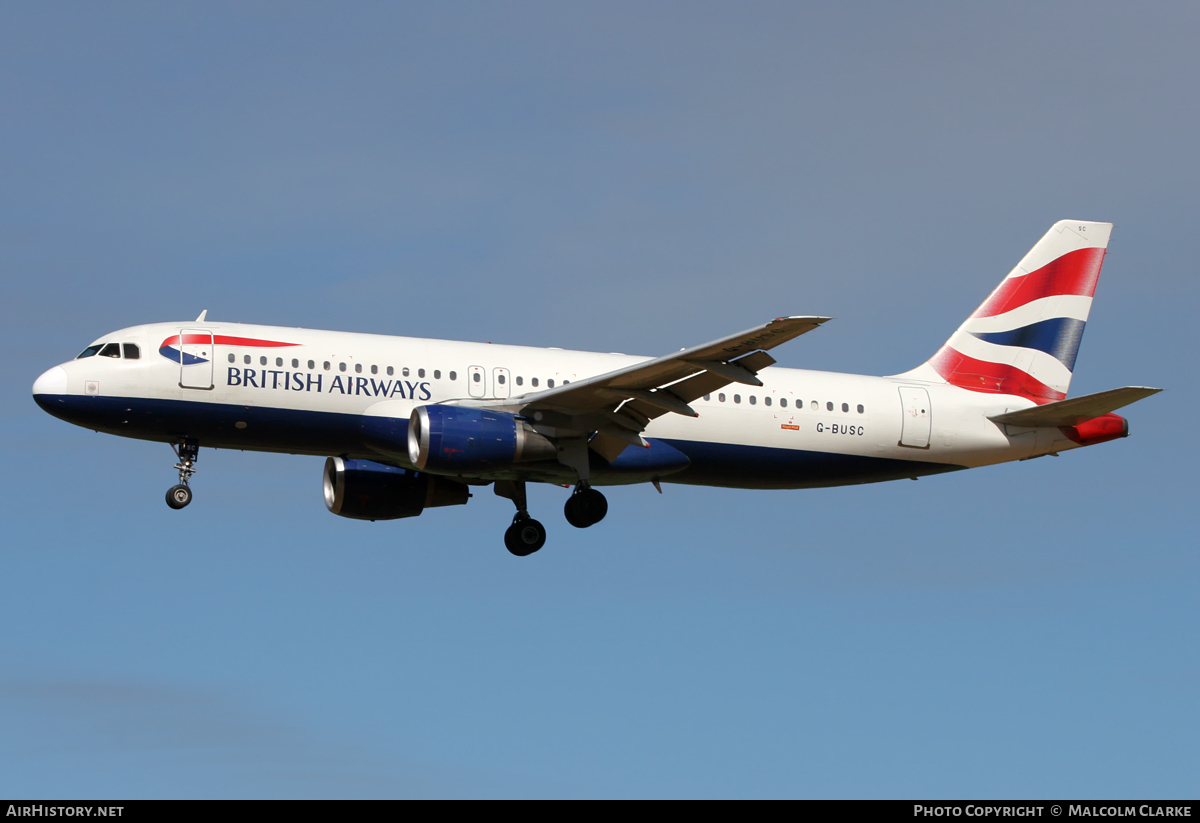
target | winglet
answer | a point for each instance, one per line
(203, 314)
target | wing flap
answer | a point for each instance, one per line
(1076, 410)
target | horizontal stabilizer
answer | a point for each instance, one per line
(1076, 410)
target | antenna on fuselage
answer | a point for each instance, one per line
(203, 314)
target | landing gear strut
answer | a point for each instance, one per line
(525, 535)
(585, 507)
(180, 495)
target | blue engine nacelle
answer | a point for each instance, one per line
(452, 439)
(366, 490)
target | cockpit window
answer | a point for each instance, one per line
(90, 351)
(131, 351)
(111, 350)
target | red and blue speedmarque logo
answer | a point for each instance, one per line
(171, 348)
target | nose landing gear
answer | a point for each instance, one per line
(585, 507)
(180, 495)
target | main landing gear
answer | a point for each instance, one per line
(180, 495)
(585, 507)
(525, 535)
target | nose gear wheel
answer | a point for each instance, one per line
(179, 496)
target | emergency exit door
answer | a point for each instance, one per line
(500, 387)
(917, 417)
(476, 381)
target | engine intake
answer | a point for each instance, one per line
(453, 439)
(366, 490)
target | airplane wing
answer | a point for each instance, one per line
(619, 404)
(1077, 409)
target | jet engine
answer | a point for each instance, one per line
(366, 490)
(451, 439)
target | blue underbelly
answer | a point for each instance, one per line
(256, 428)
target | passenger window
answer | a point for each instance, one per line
(278, 361)
(295, 363)
(520, 381)
(453, 375)
(131, 351)
(390, 371)
(708, 397)
(565, 382)
(404, 371)
(813, 405)
(500, 379)
(753, 400)
(783, 402)
(845, 407)
(262, 361)
(550, 382)
(341, 366)
(374, 370)
(358, 368)
(311, 364)
(111, 350)
(420, 372)
(90, 351)
(860, 408)
(232, 358)
(721, 397)
(534, 382)
(246, 359)
(737, 398)
(767, 400)
(326, 364)
(475, 376)
(437, 375)
(828, 407)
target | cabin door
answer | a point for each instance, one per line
(917, 417)
(196, 359)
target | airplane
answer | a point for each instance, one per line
(407, 424)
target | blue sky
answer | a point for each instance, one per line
(630, 177)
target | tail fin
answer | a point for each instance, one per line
(1024, 338)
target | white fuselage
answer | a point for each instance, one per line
(303, 398)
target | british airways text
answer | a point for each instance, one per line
(344, 384)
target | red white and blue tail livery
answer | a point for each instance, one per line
(408, 424)
(1024, 338)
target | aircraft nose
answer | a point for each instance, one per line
(54, 381)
